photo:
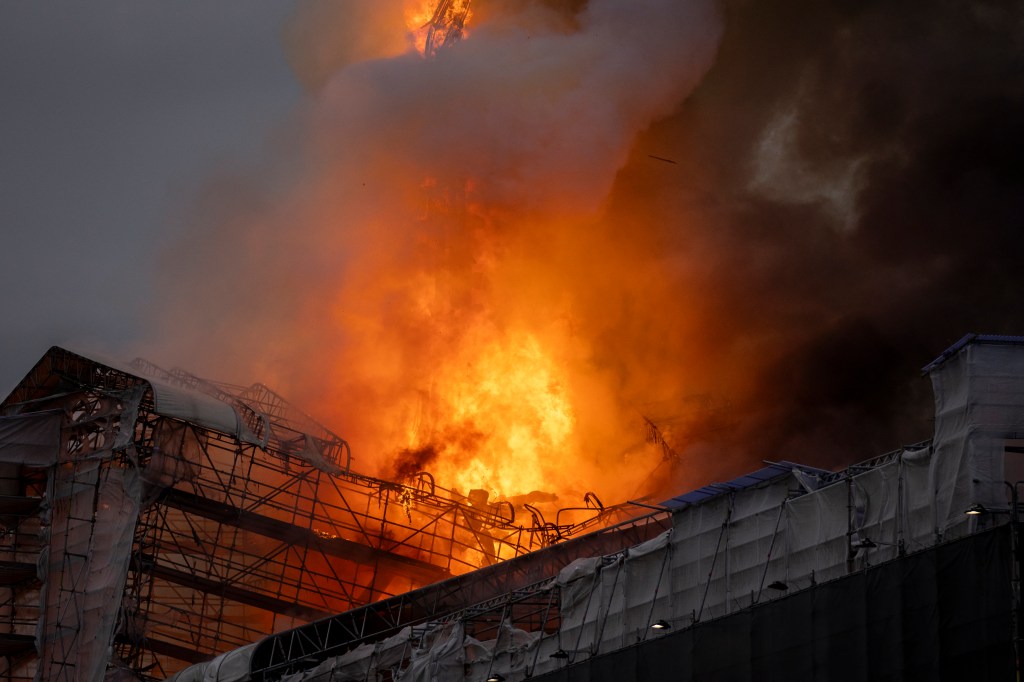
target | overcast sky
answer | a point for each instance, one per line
(113, 114)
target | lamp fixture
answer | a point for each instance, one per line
(778, 585)
(975, 509)
(495, 677)
(661, 625)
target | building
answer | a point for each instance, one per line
(874, 572)
(154, 519)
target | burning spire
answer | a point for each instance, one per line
(446, 25)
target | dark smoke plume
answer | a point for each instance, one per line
(850, 174)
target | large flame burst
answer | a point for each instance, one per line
(468, 363)
(477, 314)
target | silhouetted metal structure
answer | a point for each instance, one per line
(167, 519)
(446, 25)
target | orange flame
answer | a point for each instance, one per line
(471, 301)
(422, 15)
(465, 358)
(511, 394)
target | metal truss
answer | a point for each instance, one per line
(237, 535)
(470, 597)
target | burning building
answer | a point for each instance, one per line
(155, 519)
(904, 566)
(512, 243)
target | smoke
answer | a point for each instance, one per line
(848, 179)
(752, 232)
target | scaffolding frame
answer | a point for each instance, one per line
(518, 584)
(235, 533)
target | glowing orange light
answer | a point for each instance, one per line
(421, 16)
(515, 398)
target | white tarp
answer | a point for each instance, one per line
(441, 661)
(195, 407)
(364, 662)
(207, 411)
(510, 655)
(721, 555)
(31, 439)
(89, 518)
(84, 567)
(232, 666)
(979, 404)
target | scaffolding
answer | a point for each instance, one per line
(860, 558)
(155, 519)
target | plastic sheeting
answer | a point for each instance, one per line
(361, 663)
(609, 604)
(737, 550)
(943, 613)
(209, 412)
(442, 661)
(195, 407)
(176, 451)
(89, 520)
(766, 544)
(232, 666)
(510, 655)
(32, 439)
(84, 566)
(979, 404)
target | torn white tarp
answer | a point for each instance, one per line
(175, 454)
(195, 407)
(442, 661)
(510, 655)
(84, 566)
(31, 439)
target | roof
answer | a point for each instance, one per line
(773, 471)
(179, 401)
(967, 340)
(180, 395)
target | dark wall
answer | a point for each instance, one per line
(941, 614)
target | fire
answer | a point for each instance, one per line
(513, 397)
(441, 15)
(468, 354)
(446, 285)
(418, 14)
(474, 322)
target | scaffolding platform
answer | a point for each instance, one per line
(169, 518)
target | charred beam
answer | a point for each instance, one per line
(301, 537)
(235, 593)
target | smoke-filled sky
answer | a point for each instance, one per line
(750, 223)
